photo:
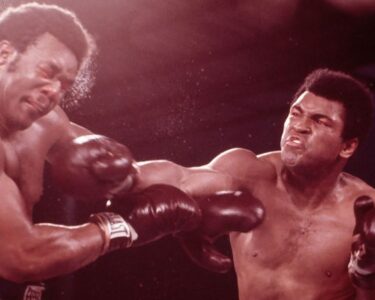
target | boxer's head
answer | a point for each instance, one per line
(330, 114)
(24, 24)
(42, 50)
(351, 93)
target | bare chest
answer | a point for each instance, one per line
(24, 163)
(323, 241)
(296, 249)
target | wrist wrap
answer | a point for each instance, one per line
(117, 233)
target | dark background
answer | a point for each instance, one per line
(186, 79)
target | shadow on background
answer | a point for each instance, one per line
(185, 80)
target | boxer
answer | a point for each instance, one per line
(302, 249)
(43, 49)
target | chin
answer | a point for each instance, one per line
(289, 158)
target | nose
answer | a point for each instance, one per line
(302, 125)
(52, 91)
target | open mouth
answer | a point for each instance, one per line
(294, 144)
(294, 140)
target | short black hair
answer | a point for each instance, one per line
(23, 24)
(343, 88)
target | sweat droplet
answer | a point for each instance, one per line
(328, 273)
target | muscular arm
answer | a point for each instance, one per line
(230, 170)
(31, 252)
(195, 181)
(227, 171)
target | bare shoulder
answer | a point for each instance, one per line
(55, 120)
(56, 129)
(245, 164)
(355, 186)
(53, 124)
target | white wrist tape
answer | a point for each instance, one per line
(117, 233)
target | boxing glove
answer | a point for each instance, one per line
(362, 261)
(222, 213)
(146, 216)
(93, 167)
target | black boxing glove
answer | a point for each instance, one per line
(362, 261)
(222, 213)
(146, 216)
(93, 167)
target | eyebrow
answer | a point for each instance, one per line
(56, 68)
(315, 115)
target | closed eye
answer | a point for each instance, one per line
(45, 72)
(295, 111)
(48, 70)
(322, 120)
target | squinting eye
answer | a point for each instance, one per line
(322, 122)
(293, 113)
(45, 73)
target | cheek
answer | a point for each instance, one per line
(330, 144)
(19, 87)
(10, 89)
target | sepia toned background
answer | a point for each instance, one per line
(186, 79)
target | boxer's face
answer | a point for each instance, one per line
(33, 82)
(312, 135)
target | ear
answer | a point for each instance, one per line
(349, 148)
(6, 51)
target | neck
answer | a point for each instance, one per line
(310, 189)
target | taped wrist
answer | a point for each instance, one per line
(117, 233)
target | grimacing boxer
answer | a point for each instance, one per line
(303, 248)
(42, 50)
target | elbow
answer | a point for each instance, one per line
(20, 267)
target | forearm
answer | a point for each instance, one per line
(50, 250)
(195, 181)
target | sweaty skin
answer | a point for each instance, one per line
(302, 249)
(32, 126)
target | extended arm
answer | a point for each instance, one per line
(230, 170)
(80, 160)
(221, 189)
